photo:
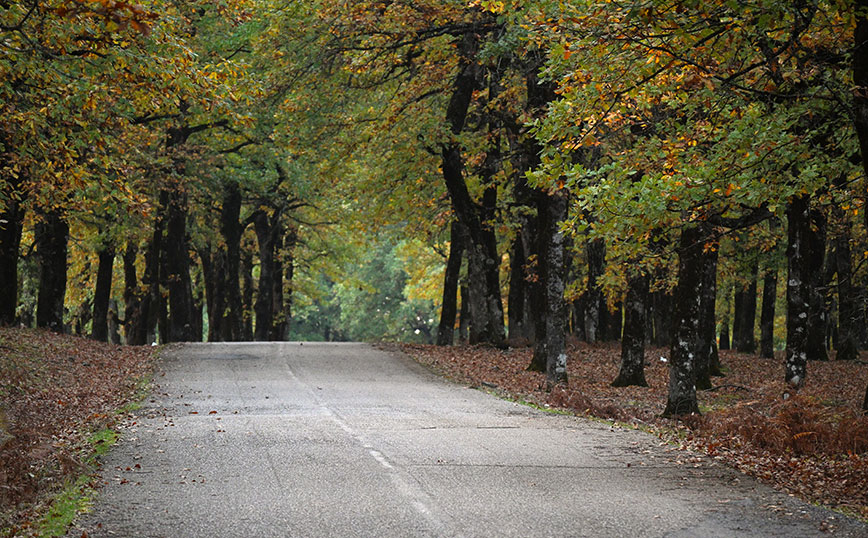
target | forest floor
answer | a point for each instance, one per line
(813, 445)
(56, 394)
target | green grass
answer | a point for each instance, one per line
(77, 496)
(74, 498)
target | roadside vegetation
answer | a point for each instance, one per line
(60, 399)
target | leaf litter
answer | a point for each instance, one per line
(55, 391)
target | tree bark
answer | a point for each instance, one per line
(744, 339)
(51, 236)
(707, 361)
(246, 259)
(11, 224)
(278, 327)
(135, 320)
(102, 293)
(264, 298)
(517, 298)
(848, 347)
(483, 262)
(767, 314)
(803, 243)
(687, 310)
(550, 343)
(860, 81)
(232, 230)
(662, 301)
(464, 315)
(632, 371)
(596, 303)
(449, 308)
(291, 242)
(181, 323)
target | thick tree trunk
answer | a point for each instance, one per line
(803, 243)
(596, 305)
(102, 293)
(153, 303)
(707, 361)
(135, 319)
(767, 315)
(449, 309)
(550, 343)
(51, 236)
(687, 311)
(819, 277)
(11, 223)
(632, 370)
(182, 327)
(744, 339)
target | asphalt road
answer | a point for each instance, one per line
(344, 440)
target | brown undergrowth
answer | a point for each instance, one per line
(813, 444)
(55, 391)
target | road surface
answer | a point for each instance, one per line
(289, 439)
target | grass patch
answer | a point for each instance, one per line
(74, 498)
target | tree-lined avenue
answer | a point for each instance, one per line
(289, 439)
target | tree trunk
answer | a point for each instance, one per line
(803, 243)
(289, 252)
(181, 323)
(662, 301)
(517, 298)
(153, 302)
(819, 276)
(102, 293)
(860, 82)
(767, 315)
(707, 362)
(11, 224)
(848, 347)
(449, 309)
(550, 343)
(264, 298)
(232, 230)
(135, 320)
(212, 271)
(113, 322)
(594, 312)
(744, 339)
(464, 316)
(51, 236)
(278, 326)
(687, 311)
(613, 322)
(632, 370)
(246, 262)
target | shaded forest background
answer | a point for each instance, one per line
(681, 174)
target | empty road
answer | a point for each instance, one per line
(289, 439)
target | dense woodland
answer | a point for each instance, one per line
(681, 173)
